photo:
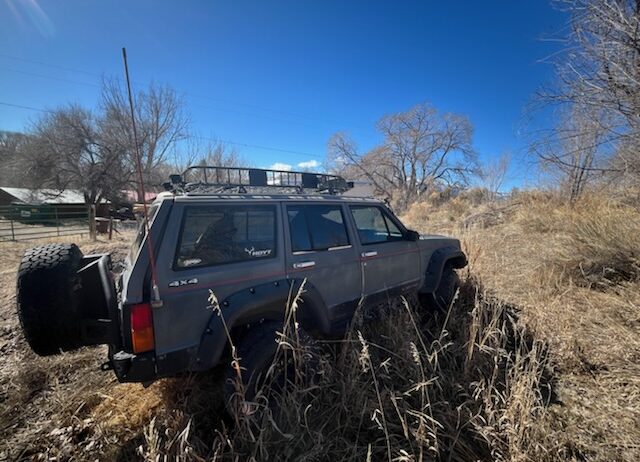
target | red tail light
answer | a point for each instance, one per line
(142, 328)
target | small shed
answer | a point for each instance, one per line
(9, 196)
(37, 203)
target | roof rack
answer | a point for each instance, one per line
(205, 179)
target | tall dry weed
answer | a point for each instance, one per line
(469, 384)
(595, 241)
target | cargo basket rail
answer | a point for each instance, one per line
(213, 179)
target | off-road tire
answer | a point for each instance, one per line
(442, 297)
(256, 351)
(46, 298)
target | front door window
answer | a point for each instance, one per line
(374, 226)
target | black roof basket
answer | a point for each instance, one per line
(212, 179)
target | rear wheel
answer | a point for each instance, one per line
(257, 354)
(47, 298)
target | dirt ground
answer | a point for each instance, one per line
(39, 397)
(64, 408)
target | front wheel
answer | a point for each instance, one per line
(442, 297)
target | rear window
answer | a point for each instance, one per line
(221, 234)
(316, 227)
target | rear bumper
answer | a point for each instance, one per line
(133, 368)
(97, 301)
(147, 367)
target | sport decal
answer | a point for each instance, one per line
(258, 253)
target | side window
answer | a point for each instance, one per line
(219, 234)
(316, 227)
(374, 225)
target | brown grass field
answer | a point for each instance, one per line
(537, 360)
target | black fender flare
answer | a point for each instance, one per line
(437, 262)
(262, 302)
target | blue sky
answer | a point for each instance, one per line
(286, 75)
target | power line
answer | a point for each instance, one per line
(20, 106)
(190, 94)
(257, 146)
(217, 140)
(55, 66)
(206, 106)
(50, 77)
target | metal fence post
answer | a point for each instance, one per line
(92, 222)
(13, 234)
(57, 220)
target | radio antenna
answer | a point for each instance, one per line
(154, 279)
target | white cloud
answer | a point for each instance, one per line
(309, 164)
(281, 166)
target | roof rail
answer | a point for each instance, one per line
(205, 179)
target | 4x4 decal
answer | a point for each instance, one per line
(183, 282)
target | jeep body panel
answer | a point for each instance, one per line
(387, 266)
(190, 334)
(435, 252)
(340, 290)
(185, 312)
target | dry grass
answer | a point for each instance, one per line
(536, 360)
(573, 270)
(469, 384)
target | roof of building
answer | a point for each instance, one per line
(45, 196)
(132, 196)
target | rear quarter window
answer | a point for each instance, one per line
(222, 234)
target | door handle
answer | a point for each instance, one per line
(369, 254)
(304, 264)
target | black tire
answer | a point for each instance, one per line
(256, 350)
(46, 298)
(442, 298)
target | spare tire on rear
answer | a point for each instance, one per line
(47, 298)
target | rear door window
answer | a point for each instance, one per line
(316, 227)
(374, 225)
(221, 234)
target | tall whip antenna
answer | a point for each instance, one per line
(152, 259)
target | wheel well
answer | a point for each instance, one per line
(457, 262)
(439, 260)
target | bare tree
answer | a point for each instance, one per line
(195, 151)
(160, 121)
(14, 171)
(494, 173)
(69, 151)
(421, 148)
(219, 154)
(600, 72)
(574, 152)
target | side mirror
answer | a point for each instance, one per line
(413, 235)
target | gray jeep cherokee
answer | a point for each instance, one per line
(252, 237)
